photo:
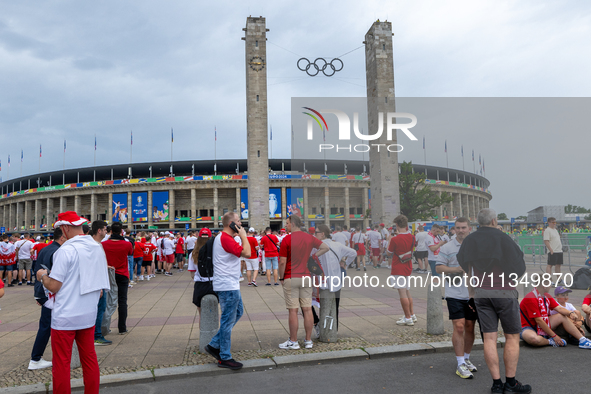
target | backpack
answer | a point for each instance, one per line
(582, 279)
(205, 259)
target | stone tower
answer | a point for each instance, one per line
(379, 66)
(256, 122)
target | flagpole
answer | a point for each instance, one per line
(131, 149)
(424, 150)
(215, 143)
(463, 165)
(40, 158)
(21, 162)
(473, 163)
(64, 168)
(271, 142)
(171, 142)
(446, 155)
(95, 150)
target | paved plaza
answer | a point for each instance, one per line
(164, 330)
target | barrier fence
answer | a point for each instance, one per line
(576, 249)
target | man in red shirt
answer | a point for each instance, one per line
(536, 324)
(270, 245)
(293, 267)
(147, 260)
(401, 247)
(180, 251)
(117, 249)
(587, 310)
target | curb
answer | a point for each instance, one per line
(263, 364)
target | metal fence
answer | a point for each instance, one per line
(576, 249)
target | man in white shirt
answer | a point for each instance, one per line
(375, 243)
(190, 243)
(554, 246)
(78, 275)
(226, 276)
(341, 236)
(23, 251)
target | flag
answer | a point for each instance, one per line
(21, 155)
(95, 142)
(64, 146)
(472, 154)
(271, 133)
(445, 146)
(8, 160)
(215, 133)
(479, 160)
(171, 135)
(483, 166)
(462, 150)
(40, 151)
(131, 137)
(0, 165)
(423, 142)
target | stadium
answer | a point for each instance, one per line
(191, 194)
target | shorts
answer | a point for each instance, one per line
(523, 329)
(189, 251)
(423, 254)
(200, 290)
(460, 309)
(252, 264)
(296, 295)
(169, 259)
(555, 259)
(7, 267)
(375, 252)
(361, 250)
(400, 282)
(504, 306)
(25, 264)
(146, 263)
(272, 263)
(179, 257)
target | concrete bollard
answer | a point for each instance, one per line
(328, 317)
(75, 362)
(209, 322)
(434, 311)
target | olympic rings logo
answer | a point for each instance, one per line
(320, 65)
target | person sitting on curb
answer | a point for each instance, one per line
(537, 326)
(587, 310)
(562, 294)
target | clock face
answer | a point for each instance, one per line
(256, 63)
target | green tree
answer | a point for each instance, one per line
(575, 209)
(502, 216)
(588, 217)
(417, 200)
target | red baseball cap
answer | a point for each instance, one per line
(382, 224)
(312, 230)
(282, 230)
(69, 218)
(205, 232)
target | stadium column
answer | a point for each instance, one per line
(4, 215)
(256, 121)
(379, 66)
(306, 202)
(171, 208)
(326, 206)
(440, 208)
(10, 217)
(77, 204)
(26, 214)
(215, 208)
(49, 213)
(283, 206)
(194, 207)
(37, 216)
(365, 207)
(150, 210)
(110, 208)
(92, 207)
(347, 217)
(238, 202)
(474, 211)
(460, 207)
(450, 212)
(62, 203)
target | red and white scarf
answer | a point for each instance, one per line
(7, 254)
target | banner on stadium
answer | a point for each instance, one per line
(275, 203)
(139, 207)
(295, 201)
(160, 206)
(119, 208)
(243, 204)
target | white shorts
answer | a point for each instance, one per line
(399, 282)
(252, 264)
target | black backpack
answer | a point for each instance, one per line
(205, 259)
(582, 279)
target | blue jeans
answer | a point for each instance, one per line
(102, 305)
(130, 264)
(137, 262)
(232, 310)
(432, 265)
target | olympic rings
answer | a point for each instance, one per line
(320, 64)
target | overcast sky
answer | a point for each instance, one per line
(70, 70)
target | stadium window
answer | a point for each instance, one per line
(211, 212)
(203, 212)
(334, 211)
(314, 210)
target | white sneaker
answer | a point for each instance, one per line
(414, 318)
(241, 279)
(316, 332)
(308, 344)
(132, 282)
(289, 345)
(148, 277)
(39, 364)
(141, 277)
(405, 322)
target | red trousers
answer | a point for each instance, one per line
(61, 346)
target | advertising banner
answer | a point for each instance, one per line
(119, 208)
(243, 204)
(295, 201)
(139, 208)
(275, 203)
(160, 206)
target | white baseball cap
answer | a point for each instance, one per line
(251, 230)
